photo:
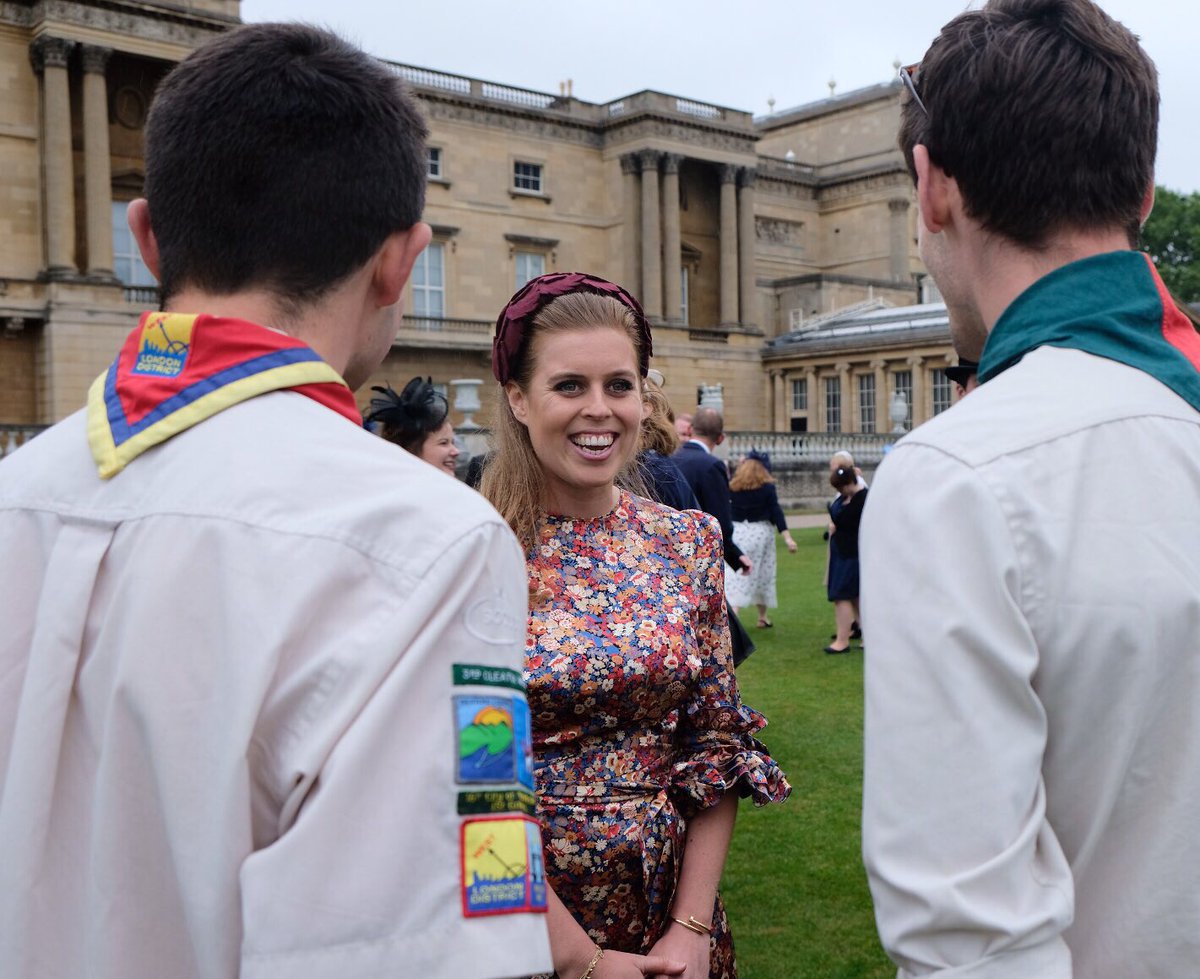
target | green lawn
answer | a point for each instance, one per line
(794, 883)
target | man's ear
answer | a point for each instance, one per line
(138, 217)
(719, 439)
(936, 192)
(395, 259)
(1147, 205)
(516, 402)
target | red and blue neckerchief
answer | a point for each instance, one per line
(1112, 305)
(175, 370)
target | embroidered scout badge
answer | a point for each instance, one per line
(502, 869)
(175, 370)
(493, 740)
(493, 732)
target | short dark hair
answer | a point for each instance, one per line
(281, 157)
(1046, 114)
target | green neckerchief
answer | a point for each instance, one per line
(1112, 305)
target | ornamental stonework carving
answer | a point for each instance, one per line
(769, 187)
(479, 116)
(777, 231)
(172, 23)
(129, 107)
(660, 128)
(94, 58)
(49, 52)
(897, 179)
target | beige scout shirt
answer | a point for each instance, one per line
(230, 716)
(1031, 601)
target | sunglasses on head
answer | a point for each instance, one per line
(909, 76)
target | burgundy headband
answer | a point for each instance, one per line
(516, 318)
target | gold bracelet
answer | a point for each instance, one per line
(591, 966)
(699, 927)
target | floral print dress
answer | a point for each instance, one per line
(637, 722)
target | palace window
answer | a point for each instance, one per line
(799, 394)
(529, 266)
(429, 282)
(903, 382)
(127, 260)
(433, 162)
(527, 177)
(866, 402)
(683, 295)
(942, 391)
(833, 404)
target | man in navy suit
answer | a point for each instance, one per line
(709, 478)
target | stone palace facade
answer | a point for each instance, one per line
(747, 239)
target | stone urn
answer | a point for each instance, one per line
(466, 399)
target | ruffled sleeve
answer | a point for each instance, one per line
(718, 751)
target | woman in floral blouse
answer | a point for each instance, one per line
(641, 743)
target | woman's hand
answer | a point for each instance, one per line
(791, 544)
(681, 945)
(626, 965)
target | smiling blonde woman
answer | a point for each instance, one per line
(641, 743)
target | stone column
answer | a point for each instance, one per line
(729, 261)
(651, 247)
(883, 402)
(49, 57)
(816, 409)
(898, 209)
(849, 405)
(631, 264)
(97, 164)
(919, 412)
(779, 406)
(746, 285)
(672, 247)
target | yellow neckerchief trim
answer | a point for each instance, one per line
(111, 459)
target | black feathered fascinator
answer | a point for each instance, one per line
(412, 414)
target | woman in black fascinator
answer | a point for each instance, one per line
(416, 420)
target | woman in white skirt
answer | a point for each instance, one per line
(756, 518)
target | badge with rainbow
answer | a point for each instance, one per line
(494, 744)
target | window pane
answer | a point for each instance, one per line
(799, 395)
(435, 254)
(942, 396)
(833, 404)
(529, 265)
(866, 402)
(527, 176)
(429, 293)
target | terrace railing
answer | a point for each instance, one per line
(439, 324)
(810, 447)
(12, 437)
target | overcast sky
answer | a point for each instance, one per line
(712, 51)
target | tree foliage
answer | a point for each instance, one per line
(1172, 239)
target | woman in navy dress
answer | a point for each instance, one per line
(846, 513)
